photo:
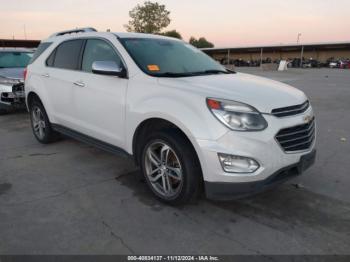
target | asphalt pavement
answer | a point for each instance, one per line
(71, 198)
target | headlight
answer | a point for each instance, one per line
(8, 81)
(237, 116)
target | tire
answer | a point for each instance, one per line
(40, 123)
(177, 177)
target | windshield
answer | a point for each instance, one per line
(170, 58)
(14, 59)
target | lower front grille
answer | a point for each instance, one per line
(297, 138)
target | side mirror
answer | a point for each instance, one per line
(109, 68)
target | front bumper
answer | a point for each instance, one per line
(260, 146)
(230, 191)
(12, 96)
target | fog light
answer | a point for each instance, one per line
(237, 164)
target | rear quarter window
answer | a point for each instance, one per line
(41, 49)
(51, 59)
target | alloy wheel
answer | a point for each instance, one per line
(38, 121)
(163, 169)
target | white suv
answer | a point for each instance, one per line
(189, 123)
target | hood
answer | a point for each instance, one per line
(14, 73)
(262, 93)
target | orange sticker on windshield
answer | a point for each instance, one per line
(153, 68)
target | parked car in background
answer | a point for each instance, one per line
(333, 63)
(13, 61)
(311, 63)
(344, 64)
(295, 63)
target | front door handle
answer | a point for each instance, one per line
(46, 75)
(79, 83)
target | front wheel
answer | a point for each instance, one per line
(171, 167)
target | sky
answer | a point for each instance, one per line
(223, 22)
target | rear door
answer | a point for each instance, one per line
(62, 67)
(100, 99)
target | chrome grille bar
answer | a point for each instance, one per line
(297, 138)
(290, 110)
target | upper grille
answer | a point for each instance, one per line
(298, 137)
(290, 110)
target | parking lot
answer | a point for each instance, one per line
(70, 198)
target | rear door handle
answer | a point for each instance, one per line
(46, 75)
(79, 83)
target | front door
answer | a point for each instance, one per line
(100, 99)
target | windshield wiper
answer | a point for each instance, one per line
(213, 71)
(187, 74)
(171, 74)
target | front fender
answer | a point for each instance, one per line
(187, 111)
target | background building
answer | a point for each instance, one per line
(316, 51)
(19, 43)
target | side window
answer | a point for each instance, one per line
(67, 55)
(98, 50)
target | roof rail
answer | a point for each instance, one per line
(78, 30)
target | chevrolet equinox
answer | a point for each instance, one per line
(189, 123)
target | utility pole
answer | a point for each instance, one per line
(302, 51)
(298, 38)
(228, 56)
(261, 56)
(25, 32)
(301, 56)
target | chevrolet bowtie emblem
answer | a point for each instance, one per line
(307, 119)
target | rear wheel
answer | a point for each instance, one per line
(41, 125)
(171, 167)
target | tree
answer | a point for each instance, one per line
(172, 33)
(193, 41)
(201, 42)
(148, 18)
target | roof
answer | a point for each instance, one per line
(89, 31)
(142, 35)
